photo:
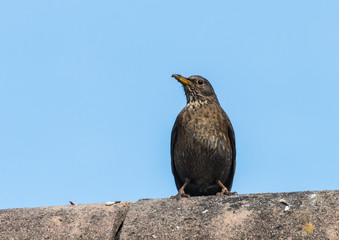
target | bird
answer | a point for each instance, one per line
(203, 153)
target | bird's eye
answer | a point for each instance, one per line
(200, 82)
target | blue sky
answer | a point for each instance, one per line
(88, 103)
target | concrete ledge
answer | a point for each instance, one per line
(296, 215)
(90, 221)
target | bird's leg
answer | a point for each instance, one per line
(181, 192)
(224, 190)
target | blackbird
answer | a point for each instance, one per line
(202, 143)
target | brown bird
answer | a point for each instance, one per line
(202, 143)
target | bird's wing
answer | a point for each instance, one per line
(231, 136)
(174, 135)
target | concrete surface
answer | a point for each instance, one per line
(298, 215)
(295, 215)
(88, 221)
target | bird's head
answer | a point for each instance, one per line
(197, 88)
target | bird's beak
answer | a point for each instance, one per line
(184, 81)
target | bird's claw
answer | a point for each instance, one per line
(181, 195)
(226, 192)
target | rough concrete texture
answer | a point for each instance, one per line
(90, 221)
(297, 215)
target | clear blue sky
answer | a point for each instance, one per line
(88, 103)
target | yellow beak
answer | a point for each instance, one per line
(181, 79)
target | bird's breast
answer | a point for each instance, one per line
(205, 126)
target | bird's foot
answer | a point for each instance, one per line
(224, 190)
(181, 194)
